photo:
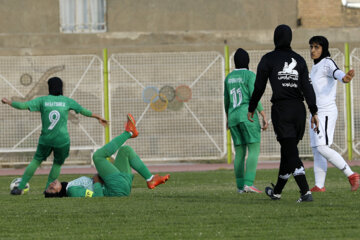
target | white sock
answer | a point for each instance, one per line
(320, 168)
(335, 159)
(148, 180)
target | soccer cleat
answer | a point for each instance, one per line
(317, 189)
(307, 197)
(241, 191)
(130, 126)
(354, 181)
(156, 180)
(16, 191)
(251, 189)
(270, 192)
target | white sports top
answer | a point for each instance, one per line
(323, 76)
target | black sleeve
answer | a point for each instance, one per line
(307, 89)
(262, 76)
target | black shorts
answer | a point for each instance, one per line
(288, 118)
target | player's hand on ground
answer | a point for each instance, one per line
(315, 123)
(6, 101)
(251, 116)
(349, 76)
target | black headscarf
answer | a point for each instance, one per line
(282, 37)
(241, 59)
(55, 86)
(324, 43)
(60, 194)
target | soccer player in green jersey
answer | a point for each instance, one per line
(238, 88)
(113, 179)
(54, 137)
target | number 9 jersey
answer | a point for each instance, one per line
(54, 115)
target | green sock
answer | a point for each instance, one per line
(239, 162)
(140, 167)
(127, 154)
(54, 174)
(116, 143)
(251, 163)
(29, 172)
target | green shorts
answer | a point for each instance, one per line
(246, 132)
(60, 154)
(118, 184)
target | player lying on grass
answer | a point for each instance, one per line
(113, 179)
(324, 77)
(54, 137)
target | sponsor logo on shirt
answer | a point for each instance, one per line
(289, 73)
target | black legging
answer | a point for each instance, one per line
(290, 161)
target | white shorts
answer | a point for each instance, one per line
(327, 122)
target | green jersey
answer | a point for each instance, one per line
(117, 184)
(239, 86)
(84, 187)
(54, 115)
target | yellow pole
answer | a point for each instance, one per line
(106, 93)
(348, 104)
(228, 134)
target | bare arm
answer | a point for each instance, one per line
(101, 120)
(6, 101)
(16, 105)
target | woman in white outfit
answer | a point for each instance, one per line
(324, 76)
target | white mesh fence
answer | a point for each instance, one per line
(170, 129)
(355, 103)
(25, 78)
(177, 130)
(270, 148)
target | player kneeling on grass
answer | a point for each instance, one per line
(113, 179)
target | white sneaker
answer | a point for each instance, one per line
(251, 189)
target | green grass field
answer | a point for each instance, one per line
(191, 205)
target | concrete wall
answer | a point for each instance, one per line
(199, 15)
(325, 14)
(31, 27)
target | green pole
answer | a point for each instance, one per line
(106, 93)
(228, 134)
(348, 104)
